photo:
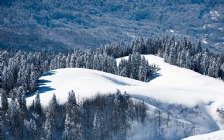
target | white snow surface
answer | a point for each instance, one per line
(84, 82)
(217, 135)
(174, 85)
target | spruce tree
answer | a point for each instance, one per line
(4, 100)
(32, 129)
(51, 119)
(67, 135)
(37, 105)
(73, 114)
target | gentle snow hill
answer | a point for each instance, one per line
(174, 86)
(84, 82)
(217, 135)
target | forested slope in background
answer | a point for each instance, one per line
(40, 24)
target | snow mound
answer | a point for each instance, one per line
(173, 85)
(184, 89)
(217, 135)
(84, 82)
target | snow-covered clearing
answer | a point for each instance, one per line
(174, 85)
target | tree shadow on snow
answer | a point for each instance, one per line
(42, 84)
(44, 89)
(116, 81)
(49, 73)
(41, 90)
(154, 76)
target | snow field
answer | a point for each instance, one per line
(174, 86)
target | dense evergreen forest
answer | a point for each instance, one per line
(101, 117)
(110, 113)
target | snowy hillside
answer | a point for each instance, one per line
(85, 82)
(218, 135)
(191, 99)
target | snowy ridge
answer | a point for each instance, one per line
(85, 83)
(218, 135)
(192, 98)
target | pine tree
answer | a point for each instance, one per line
(45, 66)
(96, 126)
(183, 58)
(1, 125)
(143, 68)
(166, 53)
(214, 66)
(21, 97)
(73, 114)
(173, 55)
(96, 62)
(124, 72)
(143, 112)
(51, 119)
(48, 128)
(62, 63)
(1, 70)
(188, 60)
(79, 62)
(72, 60)
(222, 71)
(135, 63)
(33, 78)
(67, 135)
(122, 68)
(204, 62)
(4, 100)
(32, 129)
(37, 105)
(14, 123)
(67, 60)
(22, 109)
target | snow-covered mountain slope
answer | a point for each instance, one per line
(218, 135)
(191, 99)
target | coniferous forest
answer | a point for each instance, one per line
(103, 116)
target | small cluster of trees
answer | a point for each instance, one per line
(182, 53)
(137, 67)
(101, 117)
(186, 55)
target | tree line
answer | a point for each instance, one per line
(20, 68)
(182, 53)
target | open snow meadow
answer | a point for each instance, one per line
(189, 99)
